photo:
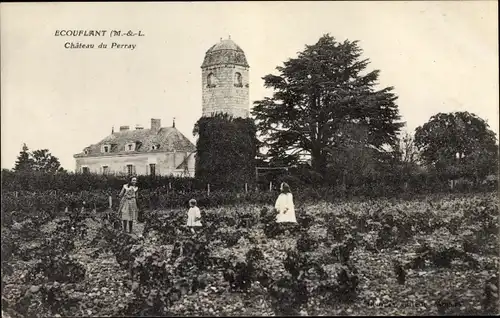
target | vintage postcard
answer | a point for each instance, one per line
(249, 158)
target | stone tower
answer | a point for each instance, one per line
(225, 87)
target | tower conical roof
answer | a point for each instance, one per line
(225, 52)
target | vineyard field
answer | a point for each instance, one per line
(432, 256)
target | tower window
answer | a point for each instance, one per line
(211, 80)
(238, 81)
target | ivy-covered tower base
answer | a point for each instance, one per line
(226, 151)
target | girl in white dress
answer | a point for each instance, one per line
(194, 215)
(284, 205)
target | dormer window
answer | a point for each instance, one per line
(130, 146)
(86, 151)
(106, 148)
(155, 147)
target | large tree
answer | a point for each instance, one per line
(38, 160)
(458, 143)
(44, 161)
(24, 161)
(316, 96)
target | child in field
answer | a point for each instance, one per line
(194, 215)
(284, 205)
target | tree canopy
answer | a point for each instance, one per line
(460, 141)
(320, 100)
(37, 160)
(24, 161)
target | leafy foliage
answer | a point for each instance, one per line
(24, 162)
(78, 182)
(458, 144)
(38, 160)
(322, 101)
(226, 150)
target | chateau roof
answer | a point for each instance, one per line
(165, 139)
(225, 52)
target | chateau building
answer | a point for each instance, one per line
(154, 151)
(165, 150)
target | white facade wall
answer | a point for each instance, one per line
(165, 163)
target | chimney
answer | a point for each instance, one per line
(173, 123)
(138, 127)
(124, 128)
(155, 124)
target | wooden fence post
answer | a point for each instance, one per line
(246, 187)
(208, 189)
(270, 186)
(110, 200)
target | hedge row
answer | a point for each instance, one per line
(78, 182)
(370, 185)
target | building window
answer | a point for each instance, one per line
(130, 170)
(130, 147)
(155, 147)
(238, 81)
(106, 149)
(152, 169)
(105, 170)
(85, 170)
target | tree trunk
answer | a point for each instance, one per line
(319, 163)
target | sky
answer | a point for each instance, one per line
(440, 56)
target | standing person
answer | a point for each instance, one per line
(284, 205)
(194, 215)
(128, 204)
